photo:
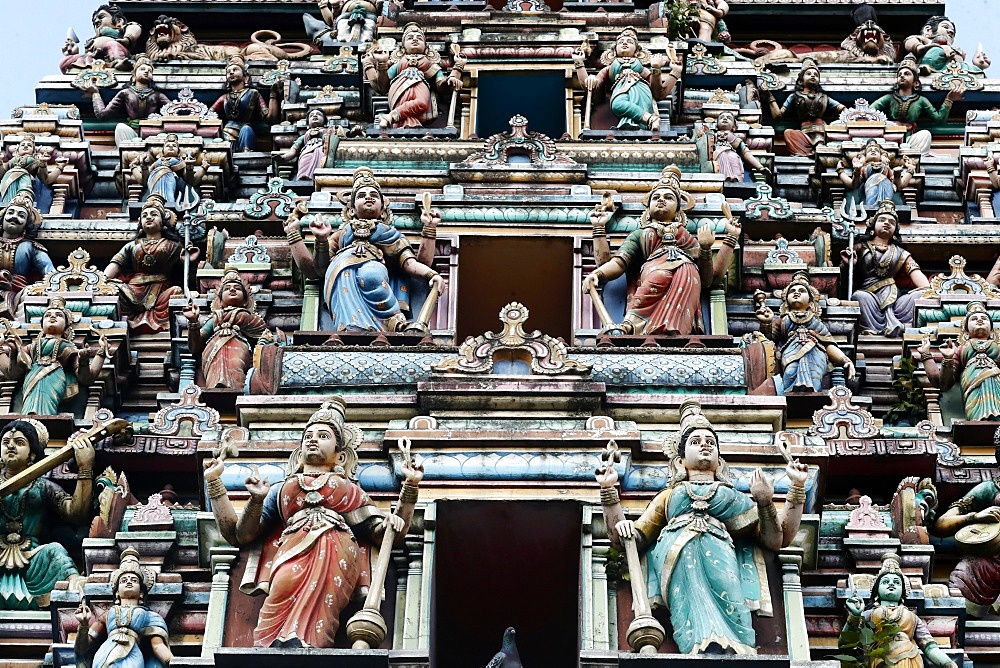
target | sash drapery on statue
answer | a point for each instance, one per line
(128, 629)
(410, 91)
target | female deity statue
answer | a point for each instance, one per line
(809, 103)
(974, 364)
(362, 289)
(698, 536)
(226, 341)
(134, 635)
(114, 38)
(411, 76)
(881, 261)
(806, 347)
(22, 259)
(666, 266)
(725, 152)
(52, 365)
(913, 642)
(171, 176)
(25, 166)
(634, 87)
(873, 178)
(317, 526)
(316, 147)
(30, 568)
(145, 263)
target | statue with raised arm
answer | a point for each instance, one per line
(906, 105)
(114, 39)
(133, 635)
(30, 567)
(934, 48)
(317, 525)
(27, 170)
(316, 147)
(22, 259)
(364, 264)
(135, 102)
(242, 106)
(699, 537)
(873, 178)
(808, 103)
(667, 267)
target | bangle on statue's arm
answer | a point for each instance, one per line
(796, 495)
(768, 511)
(730, 240)
(216, 488)
(293, 237)
(408, 493)
(609, 496)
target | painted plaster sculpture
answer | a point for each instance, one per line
(698, 536)
(115, 37)
(881, 261)
(22, 259)
(144, 266)
(29, 170)
(805, 346)
(873, 178)
(350, 20)
(52, 365)
(364, 264)
(411, 76)
(226, 341)
(974, 364)
(667, 267)
(633, 87)
(135, 102)
(30, 567)
(318, 525)
(913, 642)
(170, 175)
(133, 635)
(906, 105)
(316, 147)
(808, 103)
(242, 106)
(170, 39)
(724, 151)
(934, 48)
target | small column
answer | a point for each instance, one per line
(795, 614)
(218, 600)
(933, 396)
(599, 555)
(188, 371)
(414, 593)
(135, 192)
(60, 191)
(985, 198)
(717, 308)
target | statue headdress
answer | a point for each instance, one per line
(40, 429)
(691, 418)
(890, 566)
(239, 61)
(129, 563)
(888, 207)
(59, 304)
(229, 277)
(364, 177)
(641, 54)
(332, 413)
(670, 179)
(139, 62)
(910, 63)
(156, 200)
(400, 51)
(26, 200)
(972, 309)
(802, 278)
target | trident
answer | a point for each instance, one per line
(848, 222)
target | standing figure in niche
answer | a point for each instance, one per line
(171, 176)
(699, 535)
(29, 567)
(226, 341)
(634, 87)
(317, 527)
(808, 103)
(725, 152)
(914, 642)
(22, 259)
(974, 364)
(52, 366)
(873, 178)
(667, 267)
(880, 260)
(906, 105)
(145, 263)
(135, 102)
(934, 48)
(316, 147)
(113, 40)
(411, 77)
(805, 345)
(26, 166)
(134, 635)
(242, 106)
(364, 264)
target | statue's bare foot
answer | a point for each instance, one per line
(385, 121)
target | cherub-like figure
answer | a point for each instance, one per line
(805, 345)
(134, 636)
(809, 103)
(28, 170)
(22, 259)
(316, 147)
(724, 151)
(698, 535)
(873, 178)
(934, 48)
(913, 643)
(135, 102)
(634, 88)
(52, 365)
(242, 105)
(317, 527)
(114, 39)
(172, 176)
(226, 341)
(906, 105)
(411, 76)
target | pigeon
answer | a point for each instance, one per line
(507, 657)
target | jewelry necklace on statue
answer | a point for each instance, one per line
(699, 502)
(313, 495)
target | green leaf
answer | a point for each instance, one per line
(867, 636)
(844, 658)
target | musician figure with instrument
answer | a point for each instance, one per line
(30, 568)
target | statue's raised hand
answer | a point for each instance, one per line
(706, 236)
(579, 57)
(213, 469)
(191, 312)
(761, 488)
(957, 92)
(413, 471)
(83, 452)
(320, 229)
(923, 351)
(83, 613)
(858, 161)
(657, 61)
(948, 349)
(764, 314)
(430, 219)
(796, 471)
(855, 605)
(599, 218)
(606, 475)
(256, 484)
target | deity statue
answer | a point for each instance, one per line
(634, 88)
(806, 346)
(52, 365)
(410, 77)
(881, 261)
(113, 41)
(913, 643)
(906, 105)
(698, 535)
(226, 341)
(809, 103)
(316, 147)
(145, 264)
(30, 568)
(242, 106)
(134, 635)
(667, 267)
(974, 364)
(29, 170)
(934, 48)
(169, 174)
(873, 178)
(363, 264)
(317, 525)
(710, 15)
(724, 151)
(22, 259)
(135, 102)
(350, 20)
